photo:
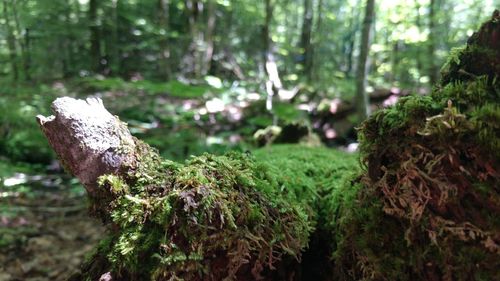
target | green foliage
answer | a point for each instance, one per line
(20, 138)
(145, 39)
(173, 89)
(288, 113)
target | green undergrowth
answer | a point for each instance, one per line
(20, 139)
(173, 89)
(215, 217)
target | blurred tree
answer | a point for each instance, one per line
(311, 40)
(95, 37)
(11, 43)
(433, 71)
(362, 99)
(305, 39)
(163, 24)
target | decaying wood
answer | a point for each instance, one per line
(89, 140)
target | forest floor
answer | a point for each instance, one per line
(45, 237)
(45, 231)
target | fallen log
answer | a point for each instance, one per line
(425, 207)
(211, 218)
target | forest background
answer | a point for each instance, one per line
(190, 76)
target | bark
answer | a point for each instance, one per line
(88, 139)
(362, 100)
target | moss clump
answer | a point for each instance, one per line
(426, 207)
(214, 217)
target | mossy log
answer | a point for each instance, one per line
(425, 205)
(428, 205)
(210, 218)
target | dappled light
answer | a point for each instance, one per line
(249, 140)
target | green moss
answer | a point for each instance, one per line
(422, 207)
(175, 220)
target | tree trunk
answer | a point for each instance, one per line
(209, 37)
(431, 49)
(315, 65)
(115, 53)
(306, 37)
(27, 58)
(269, 63)
(95, 38)
(362, 99)
(266, 38)
(22, 42)
(350, 41)
(197, 61)
(164, 54)
(11, 42)
(67, 47)
(418, 23)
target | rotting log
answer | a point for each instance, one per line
(425, 207)
(210, 218)
(89, 141)
(428, 203)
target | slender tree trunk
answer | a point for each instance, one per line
(418, 23)
(67, 45)
(350, 55)
(362, 99)
(209, 38)
(266, 39)
(305, 38)
(268, 57)
(194, 57)
(95, 39)
(115, 52)
(351, 39)
(27, 59)
(317, 40)
(163, 21)
(11, 42)
(433, 72)
(22, 42)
